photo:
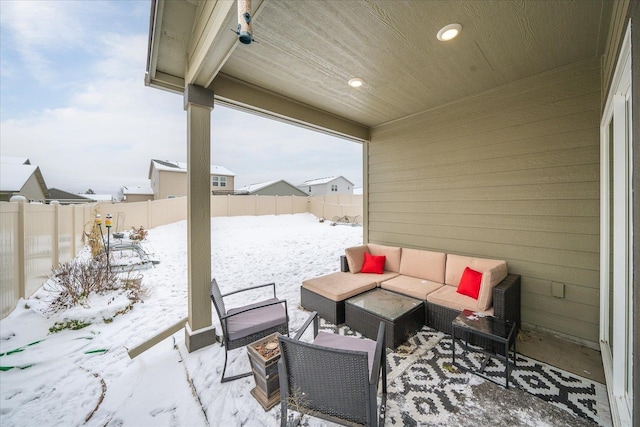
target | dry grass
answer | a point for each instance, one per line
(93, 238)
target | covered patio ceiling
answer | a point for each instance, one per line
(306, 51)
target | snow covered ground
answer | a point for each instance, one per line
(85, 376)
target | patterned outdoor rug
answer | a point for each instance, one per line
(424, 389)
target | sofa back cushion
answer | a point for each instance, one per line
(423, 264)
(355, 257)
(392, 254)
(493, 272)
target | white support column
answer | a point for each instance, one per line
(198, 103)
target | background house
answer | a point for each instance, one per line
(279, 187)
(67, 198)
(169, 179)
(131, 194)
(329, 185)
(19, 177)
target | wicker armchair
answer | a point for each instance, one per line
(246, 324)
(334, 378)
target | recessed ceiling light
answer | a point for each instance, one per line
(449, 32)
(356, 82)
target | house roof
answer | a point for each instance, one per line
(13, 176)
(320, 181)
(253, 188)
(256, 187)
(299, 71)
(58, 194)
(147, 191)
(174, 166)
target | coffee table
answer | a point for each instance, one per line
(501, 332)
(402, 315)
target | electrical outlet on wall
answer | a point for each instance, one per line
(557, 289)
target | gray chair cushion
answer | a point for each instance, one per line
(254, 321)
(330, 340)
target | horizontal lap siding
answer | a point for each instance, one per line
(511, 174)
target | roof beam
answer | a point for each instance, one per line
(243, 96)
(213, 39)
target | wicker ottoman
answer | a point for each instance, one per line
(402, 315)
(326, 294)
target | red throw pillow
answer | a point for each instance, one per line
(373, 264)
(470, 283)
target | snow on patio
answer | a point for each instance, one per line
(86, 377)
(62, 379)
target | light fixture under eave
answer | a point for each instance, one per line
(449, 32)
(356, 82)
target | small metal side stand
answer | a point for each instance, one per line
(500, 333)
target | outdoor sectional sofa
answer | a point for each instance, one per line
(430, 276)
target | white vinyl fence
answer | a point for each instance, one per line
(34, 238)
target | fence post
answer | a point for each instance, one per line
(73, 231)
(55, 239)
(148, 214)
(324, 206)
(22, 275)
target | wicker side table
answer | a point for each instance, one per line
(500, 331)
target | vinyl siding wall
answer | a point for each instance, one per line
(172, 184)
(509, 174)
(32, 189)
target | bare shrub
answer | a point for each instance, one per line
(132, 285)
(73, 282)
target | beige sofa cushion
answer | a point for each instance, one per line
(411, 286)
(493, 272)
(448, 297)
(423, 264)
(355, 257)
(339, 286)
(392, 254)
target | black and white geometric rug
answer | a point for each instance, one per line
(424, 389)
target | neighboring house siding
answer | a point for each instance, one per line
(172, 184)
(132, 198)
(226, 189)
(342, 186)
(509, 174)
(32, 189)
(338, 185)
(154, 180)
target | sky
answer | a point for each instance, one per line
(73, 101)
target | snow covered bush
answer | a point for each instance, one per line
(138, 233)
